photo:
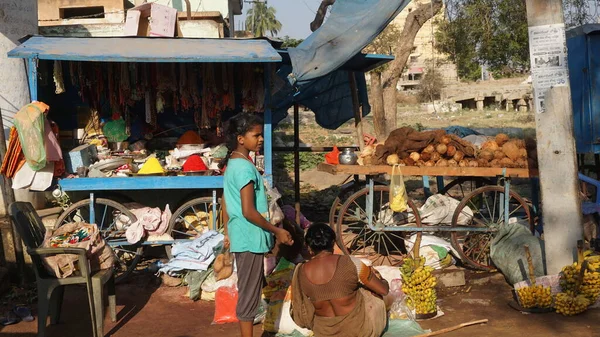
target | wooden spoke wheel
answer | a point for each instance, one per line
(487, 205)
(112, 219)
(354, 237)
(192, 219)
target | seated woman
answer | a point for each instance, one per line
(337, 295)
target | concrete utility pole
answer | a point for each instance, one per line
(554, 129)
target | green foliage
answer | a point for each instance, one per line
(308, 160)
(431, 86)
(494, 32)
(289, 42)
(261, 19)
(385, 43)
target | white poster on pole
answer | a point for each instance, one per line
(548, 55)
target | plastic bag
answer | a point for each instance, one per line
(400, 309)
(398, 197)
(29, 122)
(275, 213)
(439, 210)
(225, 304)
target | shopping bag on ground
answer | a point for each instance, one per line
(225, 304)
(398, 197)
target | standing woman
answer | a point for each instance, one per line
(248, 233)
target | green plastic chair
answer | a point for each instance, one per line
(50, 288)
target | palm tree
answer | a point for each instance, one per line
(261, 19)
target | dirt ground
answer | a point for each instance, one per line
(144, 308)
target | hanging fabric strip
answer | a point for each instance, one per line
(58, 78)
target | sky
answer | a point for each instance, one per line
(295, 16)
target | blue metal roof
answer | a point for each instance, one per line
(360, 62)
(142, 49)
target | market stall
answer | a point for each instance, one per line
(131, 83)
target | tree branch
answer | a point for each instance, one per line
(320, 15)
(414, 21)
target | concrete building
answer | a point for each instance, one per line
(424, 56)
(104, 18)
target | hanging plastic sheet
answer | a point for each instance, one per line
(350, 27)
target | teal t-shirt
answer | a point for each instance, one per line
(243, 235)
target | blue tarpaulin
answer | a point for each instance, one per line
(350, 27)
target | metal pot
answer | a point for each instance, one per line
(348, 157)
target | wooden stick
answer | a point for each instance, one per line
(460, 326)
(530, 265)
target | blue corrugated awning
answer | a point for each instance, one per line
(360, 62)
(142, 49)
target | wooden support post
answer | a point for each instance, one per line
(297, 161)
(357, 114)
(8, 195)
(557, 158)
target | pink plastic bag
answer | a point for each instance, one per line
(225, 304)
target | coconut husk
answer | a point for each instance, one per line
(507, 162)
(490, 145)
(523, 153)
(463, 163)
(501, 138)
(486, 154)
(498, 154)
(446, 139)
(462, 145)
(436, 157)
(495, 163)
(521, 163)
(405, 140)
(429, 163)
(425, 156)
(511, 150)
(429, 149)
(420, 163)
(520, 143)
(473, 163)
(223, 265)
(483, 163)
(409, 162)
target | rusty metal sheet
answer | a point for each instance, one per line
(142, 49)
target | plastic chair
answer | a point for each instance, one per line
(50, 288)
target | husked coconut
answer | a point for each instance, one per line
(463, 163)
(483, 163)
(392, 159)
(420, 163)
(441, 148)
(521, 162)
(507, 162)
(442, 163)
(498, 154)
(523, 153)
(452, 163)
(446, 140)
(429, 148)
(451, 151)
(473, 163)
(436, 156)
(458, 156)
(409, 162)
(495, 163)
(415, 156)
(430, 163)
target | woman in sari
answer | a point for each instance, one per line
(337, 295)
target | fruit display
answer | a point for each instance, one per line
(408, 147)
(570, 305)
(419, 285)
(580, 284)
(535, 296)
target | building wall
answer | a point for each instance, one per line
(222, 6)
(51, 12)
(424, 54)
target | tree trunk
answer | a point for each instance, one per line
(377, 105)
(414, 21)
(320, 15)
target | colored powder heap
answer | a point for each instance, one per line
(194, 163)
(152, 166)
(190, 137)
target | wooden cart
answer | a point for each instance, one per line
(366, 226)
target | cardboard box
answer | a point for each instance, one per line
(151, 19)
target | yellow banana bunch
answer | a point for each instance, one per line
(569, 305)
(535, 296)
(590, 285)
(419, 285)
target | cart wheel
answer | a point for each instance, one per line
(354, 237)
(112, 219)
(459, 188)
(192, 219)
(341, 199)
(486, 205)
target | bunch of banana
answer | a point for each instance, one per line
(569, 305)
(419, 285)
(535, 296)
(590, 285)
